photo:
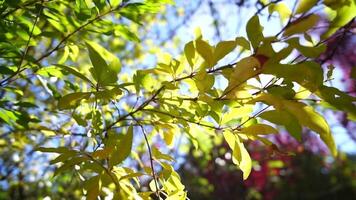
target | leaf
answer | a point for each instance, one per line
(206, 51)
(311, 79)
(54, 150)
(307, 51)
(159, 155)
(102, 153)
(254, 31)
(7, 116)
(189, 52)
(338, 99)
(308, 117)
(345, 12)
(74, 72)
(106, 66)
(236, 113)
(204, 81)
(301, 25)
(122, 148)
(82, 10)
(92, 186)
(240, 155)
(242, 42)
(259, 129)
(245, 69)
(72, 100)
(282, 117)
(282, 9)
(305, 5)
(305, 115)
(222, 49)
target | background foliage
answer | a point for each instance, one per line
(120, 100)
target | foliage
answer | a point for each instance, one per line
(67, 90)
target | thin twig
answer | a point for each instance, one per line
(150, 154)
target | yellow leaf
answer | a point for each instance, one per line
(236, 113)
(240, 155)
(282, 9)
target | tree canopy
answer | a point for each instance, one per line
(75, 94)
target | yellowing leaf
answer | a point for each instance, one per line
(259, 129)
(222, 49)
(72, 100)
(305, 5)
(254, 31)
(301, 25)
(206, 51)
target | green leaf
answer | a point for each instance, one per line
(301, 25)
(307, 51)
(7, 116)
(312, 73)
(286, 119)
(159, 155)
(106, 66)
(259, 129)
(72, 100)
(74, 72)
(338, 99)
(206, 51)
(345, 12)
(222, 49)
(308, 117)
(305, 5)
(254, 31)
(82, 10)
(122, 148)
